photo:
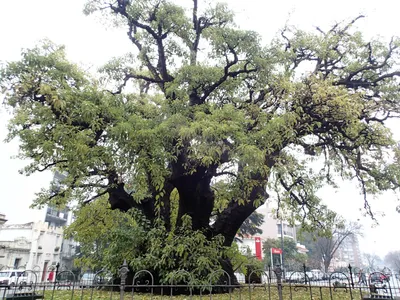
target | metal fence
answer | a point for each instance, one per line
(259, 284)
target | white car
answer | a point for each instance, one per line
(295, 277)
(11, 278)
(317, 274)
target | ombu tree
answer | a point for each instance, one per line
(195, 126)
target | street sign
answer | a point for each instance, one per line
(258, 248)
(276, 251)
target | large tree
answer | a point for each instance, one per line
(203, 111)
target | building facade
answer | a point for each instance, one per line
(2, 219)
(272, 227)
(60, 218)
(348, 253)
(30, 246)
(39, 243)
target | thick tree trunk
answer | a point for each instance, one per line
(228, 268)
(196, 198)
(230, 220)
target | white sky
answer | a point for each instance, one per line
(24, 22)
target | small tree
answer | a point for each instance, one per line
(324, 248)
(393, 260)
(372, 261)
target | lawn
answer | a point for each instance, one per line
(295, 293)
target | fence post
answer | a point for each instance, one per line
(123, 272)
(269, 274)
(57, 268)
(278, 272)
(351, 276)
(305, 273)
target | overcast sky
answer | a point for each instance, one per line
(24, 22)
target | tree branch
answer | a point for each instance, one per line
(52, 165)
(95, 197)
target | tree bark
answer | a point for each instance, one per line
(196, 198)
(230, 220)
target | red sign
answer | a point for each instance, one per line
(258, 248)
(276, 251)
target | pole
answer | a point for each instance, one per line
(272, 261)
(282, 255)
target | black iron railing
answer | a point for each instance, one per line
(270, 284)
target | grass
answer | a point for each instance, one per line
(258, 293)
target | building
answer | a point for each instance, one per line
(30, 246)
(2, 219)
(55, 216)
(348, 253)
(251, 245)
(33, 244)
(272, 229)
(60, 218)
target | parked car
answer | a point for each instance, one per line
(317, 275)
(295, 277)
(340, 276)
(91, 279)
(11, 278)
(379, 278)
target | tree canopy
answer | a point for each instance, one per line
(202, 112)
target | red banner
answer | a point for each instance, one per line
(276, 251)
(258, 248)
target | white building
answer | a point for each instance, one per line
(347, 253)
(2, 219)
(31, 246)
(272, 228)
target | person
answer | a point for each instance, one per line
(362, 278)
(51, 276)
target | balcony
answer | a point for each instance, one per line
(51, 218)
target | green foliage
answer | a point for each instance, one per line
(108, 237)
(293, 259)
(251, 226)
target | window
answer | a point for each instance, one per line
(16, 263)
(279, 228)
(287, 230)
